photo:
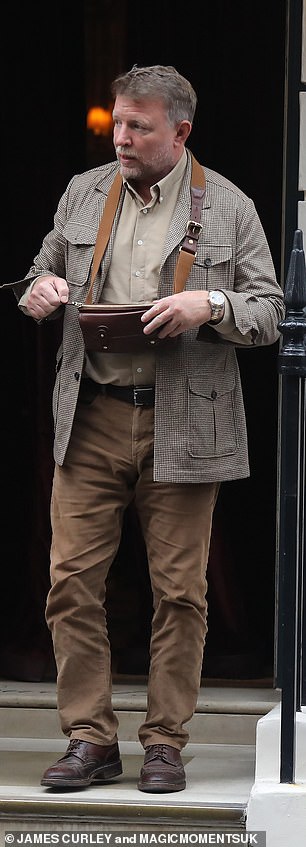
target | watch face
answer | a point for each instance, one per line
(216, 298)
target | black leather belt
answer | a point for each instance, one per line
(143, 395)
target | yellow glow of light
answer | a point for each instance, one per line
(99, 120)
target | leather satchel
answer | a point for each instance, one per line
(118, 328)
(115, 329)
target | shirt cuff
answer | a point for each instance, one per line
(24, 299)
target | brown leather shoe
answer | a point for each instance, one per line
(162, 769)
(84, 764)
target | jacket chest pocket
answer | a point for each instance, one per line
(213, 267)
(80, 245)
(212, 428)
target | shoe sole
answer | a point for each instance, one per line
(100, 776)
(161, 787)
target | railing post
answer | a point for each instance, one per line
(292, 367)
(303, 556)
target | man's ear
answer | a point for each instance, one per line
(183, 130)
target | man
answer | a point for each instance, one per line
(164, 427)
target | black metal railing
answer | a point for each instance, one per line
(292, 556)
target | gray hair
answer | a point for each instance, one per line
(161, 82)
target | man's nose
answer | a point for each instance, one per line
(122, 135)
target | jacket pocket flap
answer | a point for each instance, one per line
(213, 387)
(215, 254)
(76, 233)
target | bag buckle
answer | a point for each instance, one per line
(193, 229)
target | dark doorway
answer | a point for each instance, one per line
(235, 59)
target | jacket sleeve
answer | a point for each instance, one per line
(257, 300)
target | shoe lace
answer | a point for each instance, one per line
(159, 751)
(74, 743)
(72, 747)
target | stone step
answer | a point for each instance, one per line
(224, 715)
(219, 762)
(219, 781)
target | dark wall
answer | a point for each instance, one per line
(234, 57)
(233, 53)
(43, 145)
(43, 119)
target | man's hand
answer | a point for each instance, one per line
(176, 313)
(48, 293)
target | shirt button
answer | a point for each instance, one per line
(213, 395)
(145, 211)
(137, 273)
(139, 370)
(207, 262)
(139, 241)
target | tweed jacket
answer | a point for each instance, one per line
(200, 426)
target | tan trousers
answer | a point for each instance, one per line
(109, 461)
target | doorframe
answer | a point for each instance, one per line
(291, 195)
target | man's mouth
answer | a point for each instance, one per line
(125, 157)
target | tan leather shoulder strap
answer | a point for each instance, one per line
(188, 248)
(104, 230)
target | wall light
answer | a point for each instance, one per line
(99, 120)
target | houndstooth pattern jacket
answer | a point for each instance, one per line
(200, 426)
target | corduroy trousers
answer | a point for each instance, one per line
(109, 462)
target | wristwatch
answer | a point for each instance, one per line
(216, 301)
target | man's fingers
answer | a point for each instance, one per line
(156, 317)
(47, 295)
(61, 287)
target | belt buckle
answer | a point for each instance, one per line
(193, 229)
(139, 396)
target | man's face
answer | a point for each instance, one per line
(147, 146)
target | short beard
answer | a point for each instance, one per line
(153, 170)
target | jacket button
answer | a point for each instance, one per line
(77, 376)
(207, 262)
(213, 395)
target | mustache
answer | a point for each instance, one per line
(127, 152)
